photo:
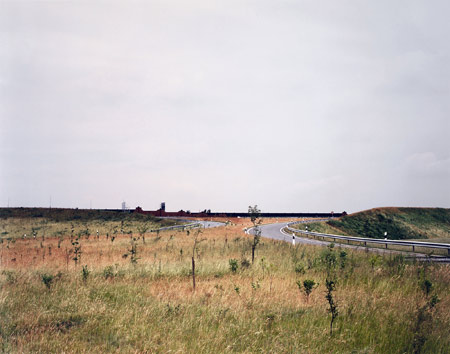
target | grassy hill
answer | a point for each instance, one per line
(399, 223)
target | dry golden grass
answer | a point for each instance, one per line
(151, 306)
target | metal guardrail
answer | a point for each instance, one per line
(185, 226)
(366, 240)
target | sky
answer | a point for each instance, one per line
(293, 105)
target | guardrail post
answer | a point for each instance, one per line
(386, 245)
(414, 248)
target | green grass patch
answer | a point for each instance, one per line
(399, 223)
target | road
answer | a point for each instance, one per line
(210, 224)
(274, 231)
(204, 224)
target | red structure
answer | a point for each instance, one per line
(161, 212)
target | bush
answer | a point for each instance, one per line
(328, 258)
(11, 276)
(245, 263)
(85, 273)
(426, 286)
(233, 265)
(308, 286)
(300, 268)
(109, 272)
(47, 279)
(343, 259)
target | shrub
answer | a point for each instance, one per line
(308, 286)
(237, 289)
(11, 276)
(47, 279)
(329, 259)
(426, 286)
(245, 263)
(343, 259)
(132, 252)
(300, 268)
(233, 265)
(374, 260)
(85, 273)
(108, 272)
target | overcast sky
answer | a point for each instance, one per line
(292, 105)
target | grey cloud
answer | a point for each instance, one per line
(293, 105)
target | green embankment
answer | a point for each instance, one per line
(399, 223)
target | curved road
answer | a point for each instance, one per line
(275, 232)
(205, 224)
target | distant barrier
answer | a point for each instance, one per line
(175, 227)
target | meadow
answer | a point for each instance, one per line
(135, 294)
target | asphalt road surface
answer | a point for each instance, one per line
(210, 224)
(274, 231)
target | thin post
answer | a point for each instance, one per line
(193, 272)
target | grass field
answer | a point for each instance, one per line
(149, 305)
(40, 223)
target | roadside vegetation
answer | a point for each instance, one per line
(399, 223)
(135, 294)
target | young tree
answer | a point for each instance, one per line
(333, 310)
(308, 286)
(132, 252)
(255, 217)
(142, 229)
(194, 248)
(76, 248)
